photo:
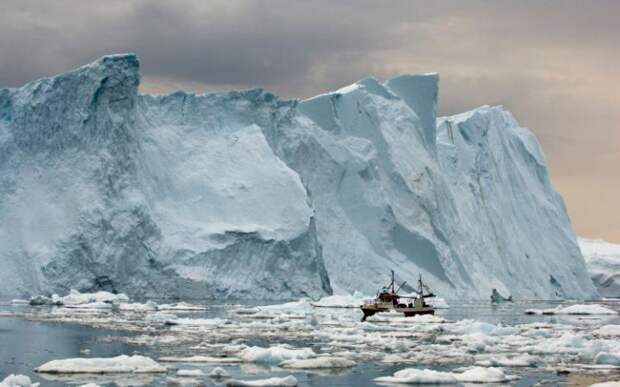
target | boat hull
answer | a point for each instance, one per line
(408, 312)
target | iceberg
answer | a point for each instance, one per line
(603, 262)
(243, 194)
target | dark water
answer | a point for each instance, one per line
(26, 344)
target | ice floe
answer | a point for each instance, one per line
(324, 362)
(606, 358)
(416, 376)
(119, 364)
(17, 381)
(218, 372)
(190, 373)
(200, 359)
(275, 354)
(580, 309)
(288, 381)
(608, 331)
(426, 376)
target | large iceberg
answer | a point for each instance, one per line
(244, 194)
(603, 261)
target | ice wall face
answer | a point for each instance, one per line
(241, 194)
(603, 261)
(106, 189)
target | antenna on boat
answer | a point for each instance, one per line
(392, 283)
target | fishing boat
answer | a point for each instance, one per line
(388, 299)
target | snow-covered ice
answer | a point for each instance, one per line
(275, 354)
(324, 362)
(416, 376)
(426, 376)
(190, 373)
(17, 381)
(288, 381)
(119, 364)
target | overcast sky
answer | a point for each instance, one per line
(554, 64)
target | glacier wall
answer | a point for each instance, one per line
(243, 194)
(603, 262)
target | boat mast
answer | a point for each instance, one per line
(392, 284)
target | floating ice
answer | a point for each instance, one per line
(275, 354)
(17, 381)
(190, 373)
(149, 306)
(119, 364)
(200, 359)
(318, 363)
(484, 375)
(218, 372)
(288, 381)
(608, 331)
(416, 376)
(606, 358)
(580, 309)
(182, 306)
(472, 375)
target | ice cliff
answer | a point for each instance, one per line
(243, 194)
(603, 261)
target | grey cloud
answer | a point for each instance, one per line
(553, 63)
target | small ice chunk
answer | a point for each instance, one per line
(190, 373)
(288, 381)
(148, 306)
(606, 384)
(318, 363)
(607, 358)
(512, 361)
(200, 359)
(608, 331)
(18, 301)
(416, 376)
(75, 298)
(119, 364)
(484, 375)
(218, 372)
(17, 381)
(275, 354)
(340, 301)
(89, 385)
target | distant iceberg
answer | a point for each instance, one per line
(603, 261)
(243, 194)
